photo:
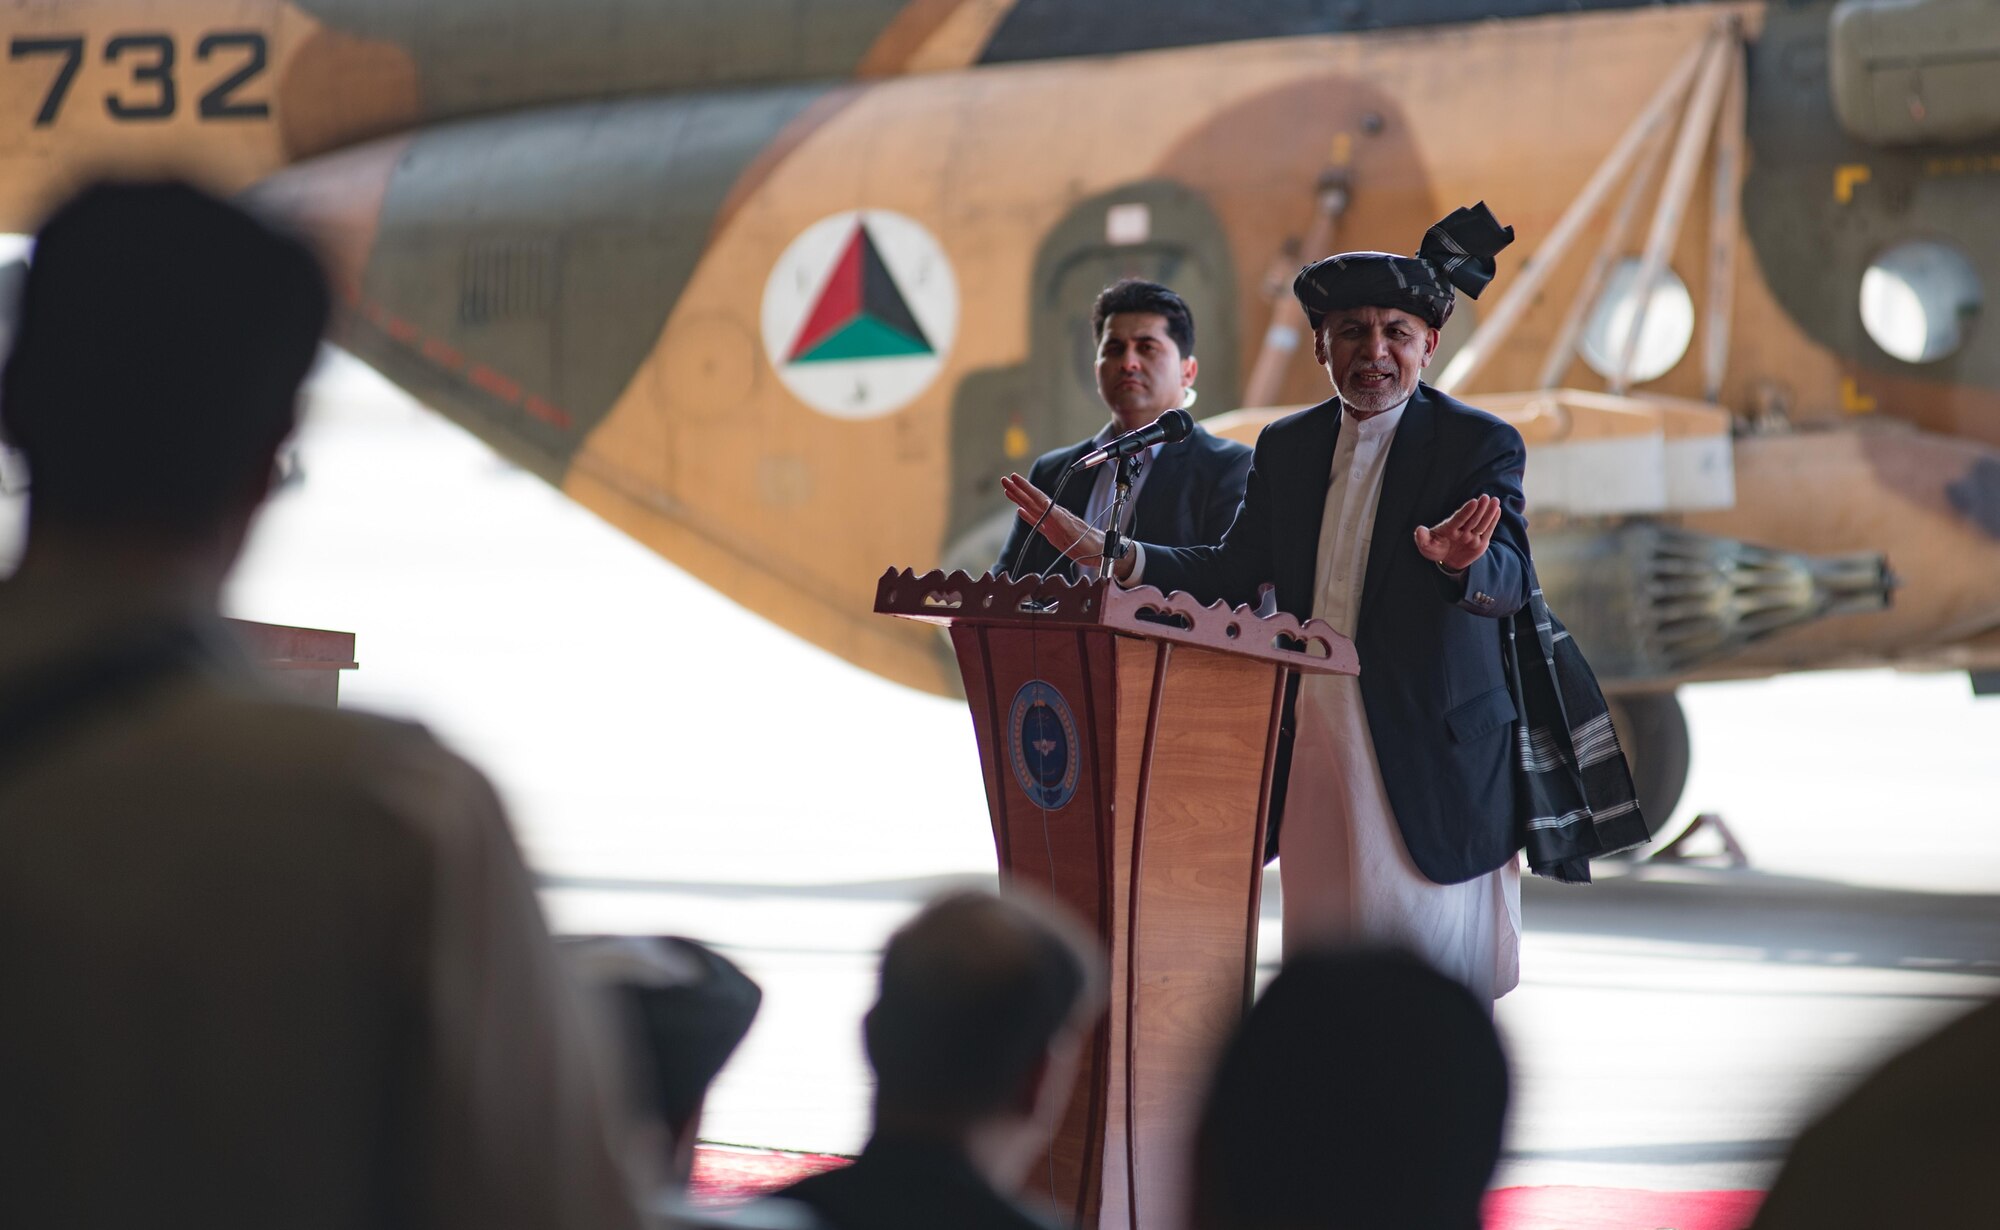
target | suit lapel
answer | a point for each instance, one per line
(1159, 516)
(1403, 480)
(1076, 495)
(1040, 556)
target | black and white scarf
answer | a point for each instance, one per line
(1574, 799)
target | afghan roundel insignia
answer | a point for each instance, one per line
(859, 313)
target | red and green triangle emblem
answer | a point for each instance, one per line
(860, 313)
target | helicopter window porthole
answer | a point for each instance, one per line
(1918, 299)
(1663, 340)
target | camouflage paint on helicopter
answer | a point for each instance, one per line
(559, 224)
(859, 312)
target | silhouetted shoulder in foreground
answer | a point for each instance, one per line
(1913, 1145)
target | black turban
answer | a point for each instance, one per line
(1457, 252)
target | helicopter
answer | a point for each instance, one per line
(782, 290)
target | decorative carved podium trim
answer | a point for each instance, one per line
(1056, 602)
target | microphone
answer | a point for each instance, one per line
(1169, 428)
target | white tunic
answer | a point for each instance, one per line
(1345, 872)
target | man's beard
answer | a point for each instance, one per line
(1373, 400)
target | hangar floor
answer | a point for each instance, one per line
(1674, 1025)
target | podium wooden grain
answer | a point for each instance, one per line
(1175, 710)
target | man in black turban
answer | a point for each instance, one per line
(1457, 252)
(1395, 513)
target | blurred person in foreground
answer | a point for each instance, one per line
(266, 965)
(673, 1011)
(1364, 1091)
(1913, 1145)
(985, 1005)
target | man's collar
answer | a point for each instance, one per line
(1390, 416)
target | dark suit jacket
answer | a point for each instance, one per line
(1432, 677)
(1190, 497)
(910, 1185)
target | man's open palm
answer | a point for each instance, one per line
(1461, 538)
(1065, 531)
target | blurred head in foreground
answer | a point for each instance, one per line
(1365, 1091)
(675, 1011)
(1912, 1145)
(985, 1003)
(162, 336)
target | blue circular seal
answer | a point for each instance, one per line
(1041, 744)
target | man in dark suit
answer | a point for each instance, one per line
(1183, 493)
(985, 1005)
(1395, 513)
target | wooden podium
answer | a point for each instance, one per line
(1127, 738)
(303, 663)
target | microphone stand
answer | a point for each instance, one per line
(1121, 494)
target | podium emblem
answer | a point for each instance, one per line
(1041, 745)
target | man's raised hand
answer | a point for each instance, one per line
(1066, 532)
(1461, 538)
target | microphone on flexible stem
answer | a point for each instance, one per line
(1170, 428)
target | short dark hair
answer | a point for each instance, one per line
(162, 337)
(1139, 295)
(973, 992)
(1363, 1089)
